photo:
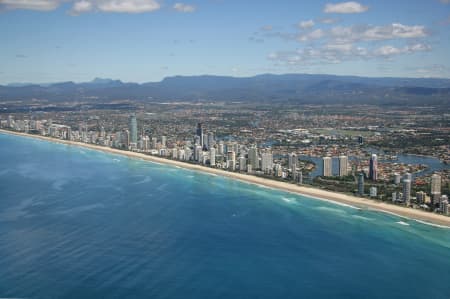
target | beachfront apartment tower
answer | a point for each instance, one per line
(343, 165)
(361, 184)
(435, 184)
(267, 162)
(212, 156)
(373, 167)
(253, 158)
(327, 166)
(407, 192)
(292, 161)
(133, 129)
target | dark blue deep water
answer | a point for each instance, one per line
(76, 223)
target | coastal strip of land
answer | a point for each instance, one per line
(421, 216)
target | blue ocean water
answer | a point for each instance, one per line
(77, 223)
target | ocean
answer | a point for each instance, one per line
(78, 223)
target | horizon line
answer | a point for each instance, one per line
(43, 84)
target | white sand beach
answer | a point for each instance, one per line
(421, 216)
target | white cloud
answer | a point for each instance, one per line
(350, 34)
(387, 51)
(345, 8)
(313, 35)
(81, 7)
(337, 53)
(267, 28)
(128, 6)
(445, 1)
(306, 24)
(43, 5)
(181, 7)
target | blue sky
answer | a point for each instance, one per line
(147, 40)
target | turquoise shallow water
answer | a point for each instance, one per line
(76, 223)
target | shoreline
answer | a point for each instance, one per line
(318, 194)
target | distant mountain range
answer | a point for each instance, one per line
(292, 88)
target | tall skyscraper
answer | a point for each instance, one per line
(200, 133)
(373, 168)
(327, 166)
(212, 156)
(407, 192)
(253, 158)
(343, 165)
(435, 184)
(361, 184)
(292, 161)
(211, 141)
(231, 160)
(133, 129)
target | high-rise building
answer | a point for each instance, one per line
(174, 153)
(221, 148)
(373, 191)
(373, 167)
(125, 136)
(212, 156)
(407, 176)
(292, 161)
(360, 140)
(231, 160)
(198, 153)
(278, 170)
(10, 121)
(133, 129)
(343, 165)
(242, 163)
(397, 178)
(267, 162)
(154, 142)
(443, 205)
(407, 192)
(299, 178)
(420, 197)
(327, 166)
(200, 133)
(361, 184)
(163, 141)
(435, 184)
(253, 158)
(211, 141)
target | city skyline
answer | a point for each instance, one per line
(147, 40)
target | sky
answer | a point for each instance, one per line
(44, 41)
